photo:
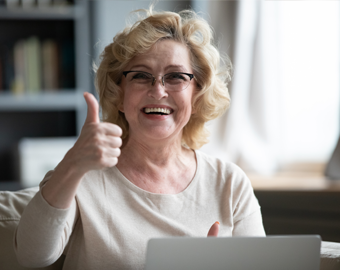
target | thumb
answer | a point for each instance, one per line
(92, 109)
(214, 229)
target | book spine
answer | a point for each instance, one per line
(28, 3)
(12, 3)
(44, 3)
(33, 65)
(19, 86)
(50, 65)
(60, 2)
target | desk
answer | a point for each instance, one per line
(299, 203)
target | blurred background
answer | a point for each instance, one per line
(282, 127)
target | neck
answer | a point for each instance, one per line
(158, 154)
(157, 167)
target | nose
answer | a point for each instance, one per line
(157, 89)
(161, 80)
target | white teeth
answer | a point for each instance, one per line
(160, 110)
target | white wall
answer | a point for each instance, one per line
(310, 79)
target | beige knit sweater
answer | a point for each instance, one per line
(111, 219)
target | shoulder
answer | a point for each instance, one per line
(224, 176)
(228, 183)
(214, 165)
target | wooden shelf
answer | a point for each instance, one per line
(59, 100)
(294, 183)
(296, 177)
(37, 13)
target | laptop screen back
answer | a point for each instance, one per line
(234, 253)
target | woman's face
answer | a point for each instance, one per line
(140, 100)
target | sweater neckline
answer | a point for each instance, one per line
(141, 191)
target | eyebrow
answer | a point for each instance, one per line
(138, 66)
(170, 66)
(176, 66)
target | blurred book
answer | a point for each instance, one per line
(60, 2)
(44, 3)
(12, 3)
(28, 3)
(50, 65)
(32, 53)
(30, 66)
(18, 86)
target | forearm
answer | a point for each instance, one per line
(60, 190)
(43, 232)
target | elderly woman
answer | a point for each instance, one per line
(159, 82)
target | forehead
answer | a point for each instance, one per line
(164, 54)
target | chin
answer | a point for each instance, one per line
(161, 134)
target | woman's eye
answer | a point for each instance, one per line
(176, 76)
(140, 76)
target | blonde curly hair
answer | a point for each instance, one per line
(212, 70)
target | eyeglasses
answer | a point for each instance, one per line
(174, 81)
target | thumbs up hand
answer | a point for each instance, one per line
(92, 109)
(98, 144)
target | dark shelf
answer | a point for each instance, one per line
(39, 13)
(45, 101)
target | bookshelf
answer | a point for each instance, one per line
(57, 101)
(51, 104)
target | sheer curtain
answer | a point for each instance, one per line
(248, 134)
(285, 100)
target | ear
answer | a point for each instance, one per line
(121, 107)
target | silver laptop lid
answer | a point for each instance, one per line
(234, 253)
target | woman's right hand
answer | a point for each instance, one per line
(98, 144)
(97, 147)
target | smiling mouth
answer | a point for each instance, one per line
(159, 111)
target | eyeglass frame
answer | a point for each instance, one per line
(191, 76)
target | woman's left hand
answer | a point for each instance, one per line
(214, 229)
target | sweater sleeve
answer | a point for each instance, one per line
(43, 231)
(250, 226)
(246, 211)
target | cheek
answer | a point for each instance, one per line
(130, 103)
(186, 105)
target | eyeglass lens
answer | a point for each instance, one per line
(173, 81)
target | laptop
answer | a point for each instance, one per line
(234, 253)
